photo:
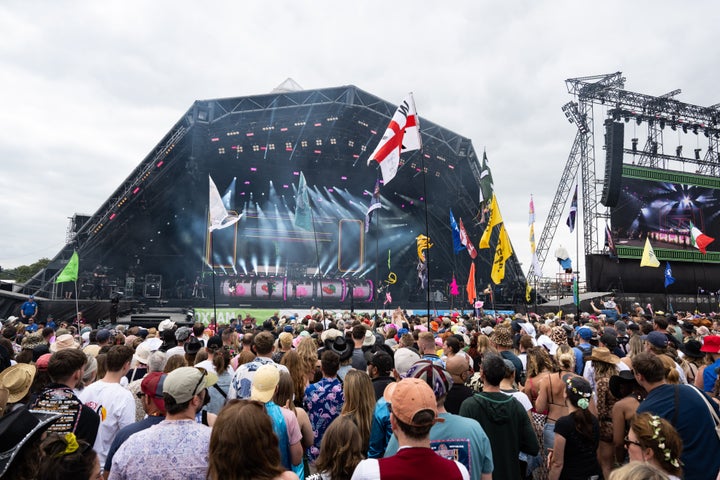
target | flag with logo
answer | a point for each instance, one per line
(423, 243)
(495, 219)
(457, 244)
(465, 240)
(699, 239)
(648, 257)
(503, 251)
(572, 215)
(528, 293)
(303, 214)
(374, 205)
(402, 135)
(470, 287)
(70, 272)
(219, 216)
(669, 279)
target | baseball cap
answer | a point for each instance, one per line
(656, 339)
(152, 386)
(585, 333)
(183, 383)
(436, 377)
(410, 396)
(103, 335)
(264, 382)
(215, 342)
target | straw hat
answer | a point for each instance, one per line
(602, 354)
(17, 379)
(63, 342)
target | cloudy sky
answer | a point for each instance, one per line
(89, 87)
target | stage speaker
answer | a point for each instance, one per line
(153, 286)
(614, 137)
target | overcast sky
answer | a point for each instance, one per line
(89, 87)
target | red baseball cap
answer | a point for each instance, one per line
(711, 344)
(152, 386)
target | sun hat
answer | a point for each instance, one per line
(369, 339)
(502, 337)
(63, 342)
(692, 349)
(166, 324)
(18, 428)
(330, 334)
(142, 353)
(623, 377)
(341, 346)
(183, 383)
(192, 346)
(264, 382)
(602, 354)
(17, 379)
(410, 396)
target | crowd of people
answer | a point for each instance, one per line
(340, 396)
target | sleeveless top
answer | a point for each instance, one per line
(280, 428)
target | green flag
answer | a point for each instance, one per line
(303, 215)
(486, 180)
(70, 272)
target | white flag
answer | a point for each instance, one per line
(402, 135)
(219, 216)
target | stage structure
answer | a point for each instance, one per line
(150, 238)
(661, 177)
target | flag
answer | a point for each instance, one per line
(70, 272)
(303, 215)
(699, 239)
(566, 264)
(374, 205)
(470, 287)
(423, 243)
(576, 291)
(495, 219)
(528, 292)
(669, 280)
(609, 242)
(422, 273)
(219, 216)
(503, 251)
(402, 135)
(573, 211)
(486, 180)
(465, 240)
(531, 213)
(535, 262)
(648, 257)
(454, 287)
(457, 244)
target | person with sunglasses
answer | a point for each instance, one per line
(654, 440)
(177, 447)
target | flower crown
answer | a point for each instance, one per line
(583, 402)
(667, 454)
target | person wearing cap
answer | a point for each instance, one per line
(66, 369)
(153, 406)
(113, 402)
(148, 453)
(414, 411)
(503, 418)
(583, 349)
(685, 407)
(379, 369)
(152, 362)
(657, 343)
(182, 335)
(242, 380)
(456, 437)
(711, 346)
(28, 312)
(285, 423)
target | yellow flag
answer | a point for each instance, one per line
(503, 251)
(648, 257)
(423, 243)
(528, 291)
(495, 219)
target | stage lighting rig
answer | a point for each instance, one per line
(573, 115)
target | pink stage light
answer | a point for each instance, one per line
(215, 139)
(160, 163)
(253, 169)
(137, 189)
(343, 178)
(113, 216)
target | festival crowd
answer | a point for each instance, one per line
(340, 396)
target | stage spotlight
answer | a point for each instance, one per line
(697, 153)
(654, 148)
(638, 120)
(673, 126)
(684, 128)
(662, 124)
(678, 151)
(634, 145)
(695, 130)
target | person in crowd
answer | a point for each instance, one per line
(153, 407)
(18, 380)
(65, 457)
(503, 419)
(628, 395)
(694, 360)
(359, 403)
(711, 346)
(242, 380)
(428, 348)
(113, 402)
(145, 454)
(340, 451)
(283, 396)
(583, 347)
(460, 370)
(380, 429)
(358, 356)
(285, 423)
(324, 400)
(244, 422)
(635, 345)
(413, 414)
(379, 368)
(456, 437)
(604, 365)
(405, 355)
(21, 433)
(574, 453)
(502, 340)
(654, 440)
(156, 362)
(28, 313)
(299, 373)
(308, 351)
(182, 335)
(638, 471)
(66, 369)
(689, 411)
(284, 345)
(218, 362)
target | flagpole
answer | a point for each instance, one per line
(577, 258)
(427, 234)
(317, 260)
(77, 307)
(377, 263)
(212, 268)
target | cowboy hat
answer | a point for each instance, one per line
(602, 354)
(19, 427)
(341, 346)
(17, 379)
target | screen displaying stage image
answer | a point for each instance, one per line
(663, 210)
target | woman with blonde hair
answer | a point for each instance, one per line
(359, 403)
(638, 471)
(298, 373)
(654, 440)
(308, 351)
(635, 345)
(246, 423)
(340, 451)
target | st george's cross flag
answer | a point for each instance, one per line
(402, 135)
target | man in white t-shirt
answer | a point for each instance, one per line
(113, 402)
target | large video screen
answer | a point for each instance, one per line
(662, 206)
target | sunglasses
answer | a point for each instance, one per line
(629, 442)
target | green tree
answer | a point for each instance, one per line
(23, 273)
